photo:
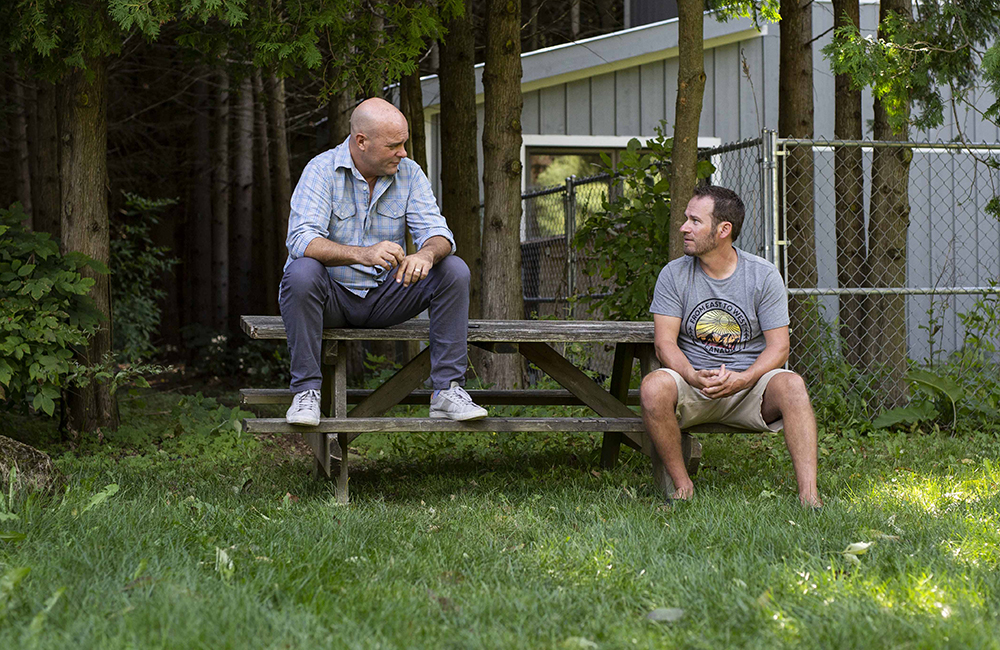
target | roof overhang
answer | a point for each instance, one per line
(602, 54)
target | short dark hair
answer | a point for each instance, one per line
(726, 206)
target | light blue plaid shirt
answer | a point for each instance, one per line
(331, 200)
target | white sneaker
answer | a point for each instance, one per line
(304, 409)
(455, 404)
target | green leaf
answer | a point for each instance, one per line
(912, 414)
(11, 536)
(944, 385)
(102, 496)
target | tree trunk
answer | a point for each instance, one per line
(199, 230)
(459, 161)
(267, 268)
(502, 178)
(848, 176)
(411, 99)
(241, 223)
(48, 195)
(282, 175)
(339, 117)
(690, 93)
(887, 228)
(220, 203)
(19, 136)
(84, 184)
(795, 120)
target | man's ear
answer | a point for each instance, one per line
(725, 229)
(361, 140)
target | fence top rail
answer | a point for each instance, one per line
(733, 146)
(958, 146)
(896, 291)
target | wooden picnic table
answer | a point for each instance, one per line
(536, 340)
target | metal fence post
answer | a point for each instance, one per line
(768, 193)
(570, 227)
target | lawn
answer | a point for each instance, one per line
(178, 532)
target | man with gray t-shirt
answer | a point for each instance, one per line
(720, 317)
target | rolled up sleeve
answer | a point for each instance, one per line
(423, 217)
(311, 207)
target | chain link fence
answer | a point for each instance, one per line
(887, 250)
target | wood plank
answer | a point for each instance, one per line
(492, 397)
(371, 425)
(396, 388)
(512, 331)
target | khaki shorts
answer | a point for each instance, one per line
(739, 410)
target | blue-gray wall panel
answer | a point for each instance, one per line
(602, 104)
(727, 92)
(578, 107)
(627, 102)
(552, 110)
(768, 92)
(707, 125)
(529, 113)
(651, 97)
(750, 92)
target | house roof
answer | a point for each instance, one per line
(601, 54)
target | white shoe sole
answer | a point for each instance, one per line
(302, 422)
(465, 417)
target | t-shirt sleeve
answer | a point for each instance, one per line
(772, 310)
(666, 298)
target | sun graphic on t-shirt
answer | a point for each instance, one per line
(717, 327)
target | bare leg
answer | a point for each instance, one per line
(659, 402)
(786, 397)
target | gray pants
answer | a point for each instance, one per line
(310, 300)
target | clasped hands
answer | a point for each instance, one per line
(718, 382)
(389, 255)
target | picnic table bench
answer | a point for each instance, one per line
(537, 341)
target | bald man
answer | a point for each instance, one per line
(347, 263)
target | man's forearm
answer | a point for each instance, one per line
(437, 246)
(330, 253)
(770, 359)
(671, 356)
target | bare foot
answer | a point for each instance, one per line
(683, 491)
(810, 500)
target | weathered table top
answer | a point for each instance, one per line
(496, 331)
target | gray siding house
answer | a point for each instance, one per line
(594, 95)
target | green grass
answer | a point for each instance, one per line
(499, 542)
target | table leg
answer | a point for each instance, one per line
(621, 374)
(331, 456)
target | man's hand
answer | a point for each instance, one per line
(721, 382)
(414, 268)
(385, 254)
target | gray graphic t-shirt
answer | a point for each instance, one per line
(722, 321)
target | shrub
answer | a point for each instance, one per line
(627, 242)
(44, 313)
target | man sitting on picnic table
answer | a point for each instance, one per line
(720, 320)
(346, 233)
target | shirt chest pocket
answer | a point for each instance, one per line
(344, 228)
(389, 221)
(391, 208)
